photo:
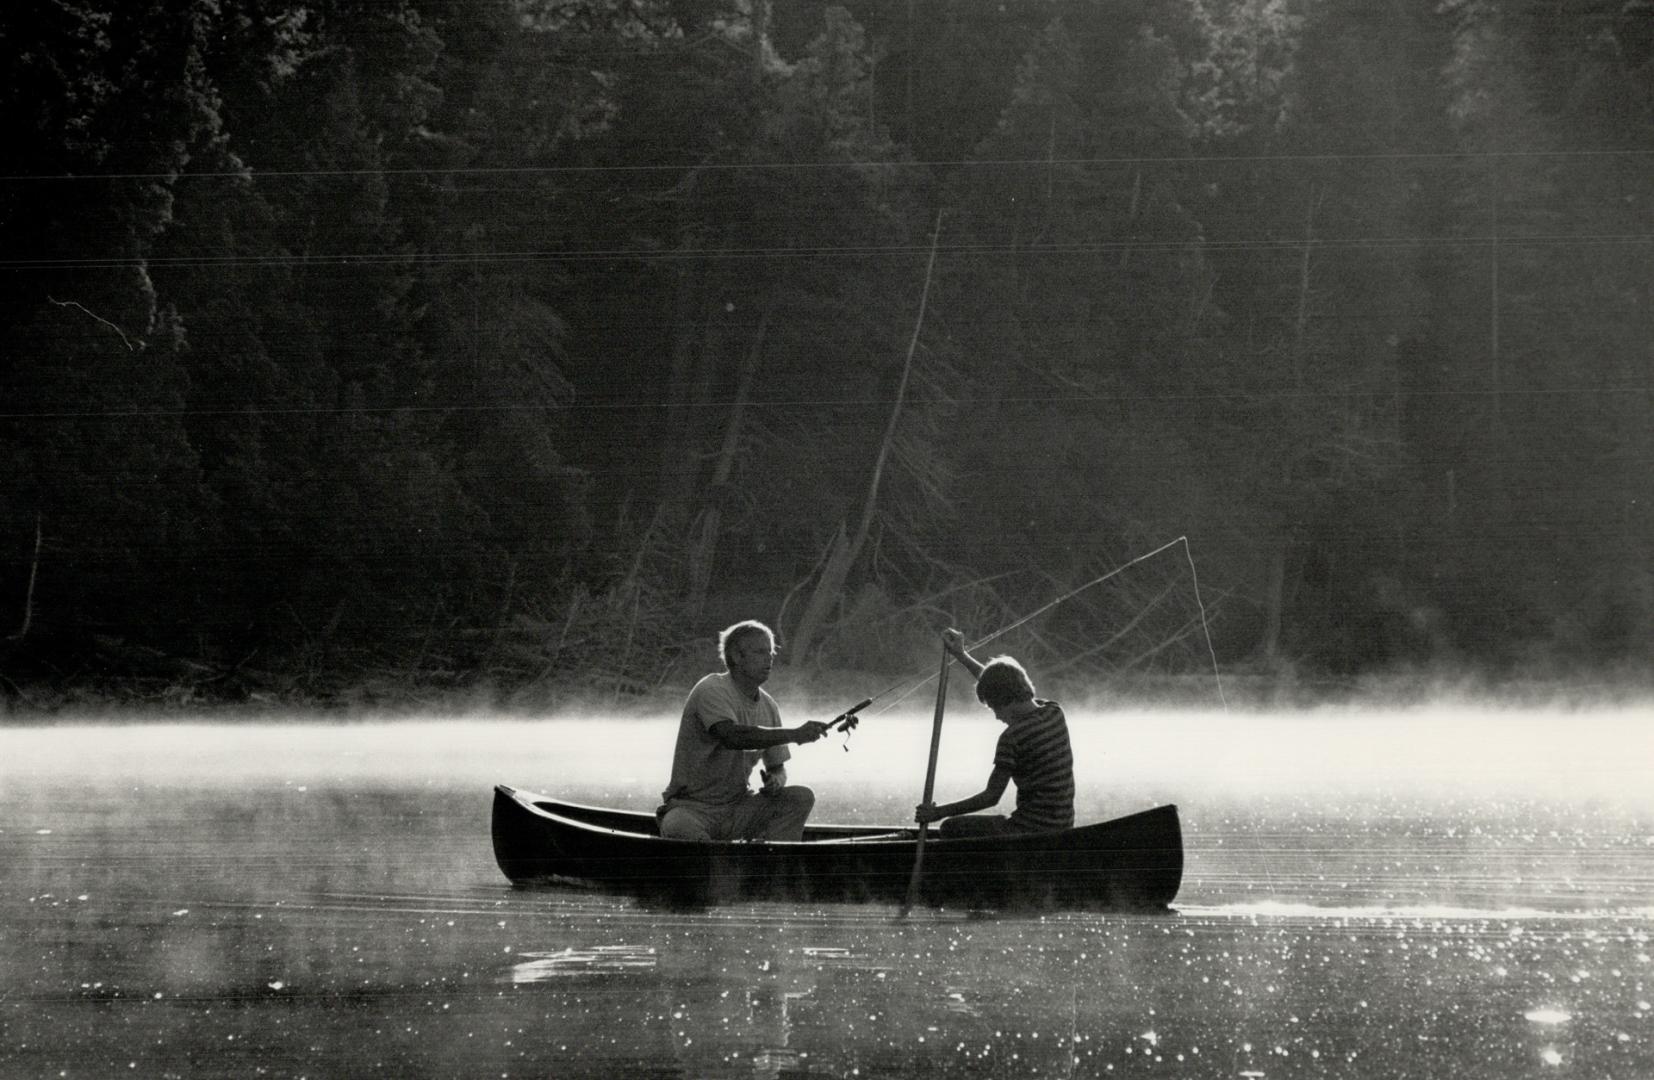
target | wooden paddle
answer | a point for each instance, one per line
(930, 785)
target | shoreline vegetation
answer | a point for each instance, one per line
(812, 694)
(419, 354)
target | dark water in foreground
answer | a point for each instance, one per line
(310, 901)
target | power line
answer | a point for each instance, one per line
(1249, 396)
(750, 166)
(735, 254)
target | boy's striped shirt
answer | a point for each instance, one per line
(1035, 750)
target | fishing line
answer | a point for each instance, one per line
(909, 688)
(847, 719)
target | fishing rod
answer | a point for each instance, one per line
(848, 719)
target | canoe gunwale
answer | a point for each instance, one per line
(540, 806)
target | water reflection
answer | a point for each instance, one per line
(302, 924)
(592, 960)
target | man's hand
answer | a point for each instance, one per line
(775, 778)
(925, 813)
(809, 732)
(953, 641)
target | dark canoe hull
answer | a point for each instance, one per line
(1133, 862)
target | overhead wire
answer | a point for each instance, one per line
(749, 166)
(859, 251)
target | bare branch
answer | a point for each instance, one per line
(74, 304)
(28, 598)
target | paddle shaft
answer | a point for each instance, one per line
(930, 781)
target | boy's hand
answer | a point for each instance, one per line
(925, 813)
(953, 641)
(775, 778)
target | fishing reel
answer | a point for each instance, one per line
(847, 720)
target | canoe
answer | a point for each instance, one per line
(1129, 863)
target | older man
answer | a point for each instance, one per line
(729, 724)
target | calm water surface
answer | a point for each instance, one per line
(1367, 894)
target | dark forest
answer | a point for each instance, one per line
(351, 350)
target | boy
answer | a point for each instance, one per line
(1034, 751)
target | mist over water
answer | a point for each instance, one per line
(1349, 809)
(1375, 891)
(1452, 751)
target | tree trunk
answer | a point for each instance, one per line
(847, 546)
(1131, 219)
(907, 90)
(1301, 323)
(1276, 590)
(678, 457)
(703, 542)
(1274, 604)
(1496, 483)
(27, 619)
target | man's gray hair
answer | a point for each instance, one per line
(733, 634)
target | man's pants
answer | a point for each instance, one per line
(757, 816)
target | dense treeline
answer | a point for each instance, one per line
(426, 342)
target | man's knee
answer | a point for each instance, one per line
(782, 814)
(681, 824)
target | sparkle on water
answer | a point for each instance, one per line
(1547, 1016)
(1367, 892)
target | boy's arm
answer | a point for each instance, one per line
(954, 642)
(998, 780)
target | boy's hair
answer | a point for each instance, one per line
(1003, 682)
(732, 635)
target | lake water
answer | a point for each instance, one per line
(1419, 893)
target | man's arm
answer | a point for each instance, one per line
(954, 642)
(748, 737)
(998, 780)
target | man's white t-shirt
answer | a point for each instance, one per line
(703, 769)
